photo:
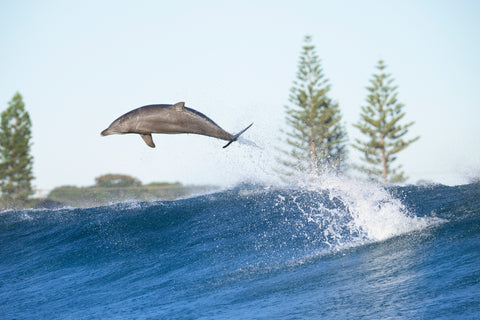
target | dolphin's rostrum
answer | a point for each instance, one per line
(170, 119)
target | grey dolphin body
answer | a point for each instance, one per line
(170, 119)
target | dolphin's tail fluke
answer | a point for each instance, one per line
(235, 137)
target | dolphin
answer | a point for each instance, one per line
(170, 119)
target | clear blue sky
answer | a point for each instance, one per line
(81, 64)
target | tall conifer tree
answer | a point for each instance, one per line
(16, 162)
(316, 136)
(380, 123)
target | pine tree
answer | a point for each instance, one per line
(16, 162)
(380, 123)
(316, 138)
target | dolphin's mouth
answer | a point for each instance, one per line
(105, 133)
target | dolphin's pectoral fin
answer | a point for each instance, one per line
(179, 106)
(148, 139)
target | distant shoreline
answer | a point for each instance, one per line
(84, 197)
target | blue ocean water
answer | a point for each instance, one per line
(340, 250)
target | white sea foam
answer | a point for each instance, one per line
(375, 214)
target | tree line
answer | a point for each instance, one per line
(316, 138)
(120, 187)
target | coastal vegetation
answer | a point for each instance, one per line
(316, 136)
(381, 124)
(112, 188)
(16, 161)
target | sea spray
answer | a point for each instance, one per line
(374, 210)
(356, 211)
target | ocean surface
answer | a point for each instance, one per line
(336, 250)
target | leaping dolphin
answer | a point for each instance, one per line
(170, 119)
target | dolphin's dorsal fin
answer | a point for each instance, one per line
(148, 139)
(179, 106)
